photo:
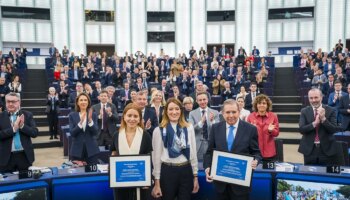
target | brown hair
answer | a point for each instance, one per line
(131, 106)
(259, 99)
(77, 108)
(165, 120)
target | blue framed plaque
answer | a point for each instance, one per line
(130, 171)
(232, 168)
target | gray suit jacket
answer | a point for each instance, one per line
(195, 118)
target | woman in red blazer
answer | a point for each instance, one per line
(267, 124)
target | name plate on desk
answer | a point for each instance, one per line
(25, 174)
(130, 171)
(91, 168)
(232, 168)
(333, 169)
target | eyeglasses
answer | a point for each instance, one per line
(13, 102)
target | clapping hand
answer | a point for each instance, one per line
(148, 124)
(82, 118)
(211, 116)
(322, 114)
(15, 124)
(90, 115)
(271, 127)
(109, 111)
(21, 122)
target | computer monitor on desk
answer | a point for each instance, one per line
(38, 190)
(306, 186)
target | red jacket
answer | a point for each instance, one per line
(266, 138)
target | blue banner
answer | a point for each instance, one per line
(130, 171)
(231, 168)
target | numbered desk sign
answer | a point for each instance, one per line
(91, 168)
(130, 171)
(333, 169)
(232, 168)
(25, 174)
(268, 165)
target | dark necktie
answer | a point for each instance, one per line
(104, 118)
(52, 103)
(317, 139)
(205, 126)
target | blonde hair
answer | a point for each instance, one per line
(187, 100)
(165, 120)
(153, 96)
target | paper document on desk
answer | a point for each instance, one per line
(284, 167)
(102, 168)
(42, 169)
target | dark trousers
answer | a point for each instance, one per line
(104, 139)
(318, 157)
(130, 193)
(229, 195)
(53, 121)
(84, 157)
(18, 162)
(176, 182)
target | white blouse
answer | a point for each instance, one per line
(160, 153)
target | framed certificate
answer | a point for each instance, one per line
(130, 171)
(232, 168)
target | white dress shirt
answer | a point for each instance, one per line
(160, 153)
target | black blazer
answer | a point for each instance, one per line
(146, 143)
(111, 121)
(150, 114)
(325, 131)
(28, 131)
(249, 101)
(245, 143)
(344, 105)
(49, 106)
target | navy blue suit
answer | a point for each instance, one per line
(245, 143)
(81, 138)
(256, 52)
(150, 114)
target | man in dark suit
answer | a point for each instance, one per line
(96, 92)
(52, 50)
(317, 125)
(328, 88)
(149, 116)
(4, 89)
(223, 51)
(124, 94)
(255, 52)
(63, 91)
(74, 74)
(344, 110)
(17, 127)
(251, 96)
(165, 88)
(192, 51)
(107, 119)
(78, 89)
(235, 136)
